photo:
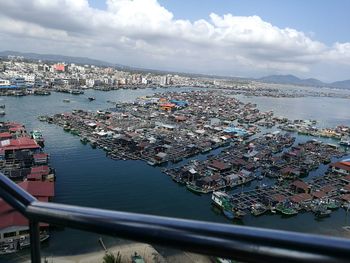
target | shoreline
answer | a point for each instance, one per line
(146, 251)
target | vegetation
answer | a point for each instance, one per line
(111, 258)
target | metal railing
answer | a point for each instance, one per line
(246, 244)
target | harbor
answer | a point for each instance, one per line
(82, 171)
(172, 127)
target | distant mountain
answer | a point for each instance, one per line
(59, 58)
(344, 84)
(291, 79)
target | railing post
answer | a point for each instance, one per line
(34, 241)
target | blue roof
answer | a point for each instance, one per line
(235, 130)
(179, 102)
(8, 87)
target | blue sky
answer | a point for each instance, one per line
(323, 20)
(243, 38)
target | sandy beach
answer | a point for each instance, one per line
(149, 254)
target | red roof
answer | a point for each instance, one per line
(318, 194)
(34, 177)
(43, 170)
(5, 135)
(20, 143)
(328, 188)
(342, 165)
(38, 188)
(301, 185)
(40, 155)
(300, 198)
(9, 217)
(345, 197)
(218, 165)
(12, 218)
(279, 197)
(171, 105)
(346, 178)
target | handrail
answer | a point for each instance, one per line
(247, 244)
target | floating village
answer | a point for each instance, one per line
(241, 143)
(23, 160)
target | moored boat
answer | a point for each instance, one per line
(15, 244)
(196, 189)
(345, 142)
(286, 209)
(38, 137)
(258, 209)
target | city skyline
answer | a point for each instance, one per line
(249, 42)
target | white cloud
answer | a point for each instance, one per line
(143, 33)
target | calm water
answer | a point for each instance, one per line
(86, 177)
(329, 111)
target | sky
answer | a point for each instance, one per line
(243, 38)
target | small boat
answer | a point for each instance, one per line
(42, 118)
(229, 214)
(220, 199)
(76, 92)
(91, 98)
(38, 137)
(286, 209)
(332, 204)
(2, 106)
(258, 209)
(18, 243)
(66, 100)
(66, 128)
(93, 144)
(151, 163)
(2, 112)
(196, 189)
(322, 213)
(84, 140)
(345, 143)
(74, 132)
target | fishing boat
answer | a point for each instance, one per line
(345, 142)
(196, 189)
(13, 245)
(2, 112)
(286, 209)
(321, 211)
(84, 140)
(2, 106)
(66, 100)
(42, 118)
(91, 98)
(74, 132)
(76, 92)
(229, 214)
(258, 209)
(93, 144)
(222, 200)
(38, 137)
(66, 128)
(332, 204)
